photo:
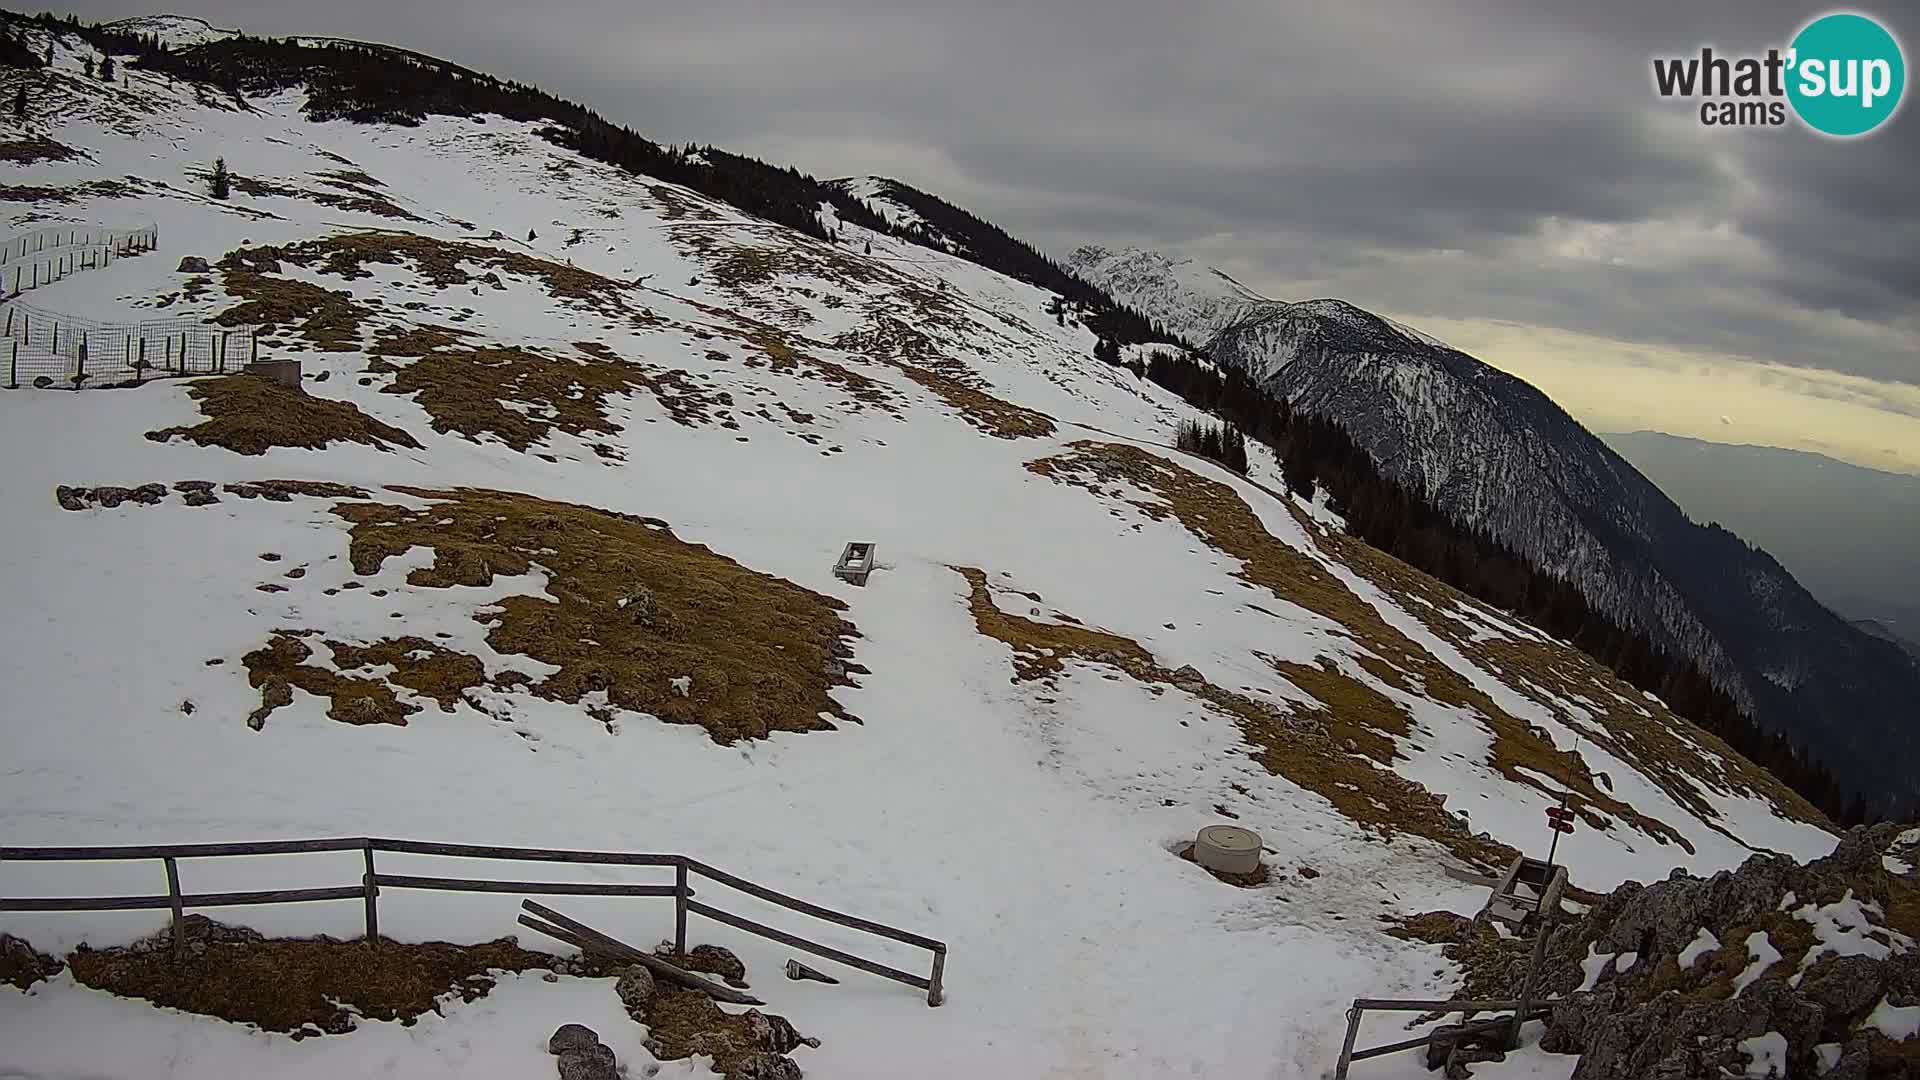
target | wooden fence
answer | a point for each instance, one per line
(372, 881)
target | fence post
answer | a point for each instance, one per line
(253, 354)
(179, 916)
(54, 341)
(934, 994)
(9, 322)
(680, 907)
(140, 371)
(373, 893)
(13, 368)
(1346, 1050)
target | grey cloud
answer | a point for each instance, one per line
(1334, 149)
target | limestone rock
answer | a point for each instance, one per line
(635, 989)
(572, 1037)
(764, 1066)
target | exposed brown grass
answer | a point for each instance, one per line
(763, 654)
(465, 388)
(349, 177)
(309, 985)
(281, 664)
(904, 346)
(1214, 513)
(21, 966)
(358, 199)
(682, 394)
(444, 264)
(329, 319)
(1662, 746)
(1303, 752)
(420, 665)
(249, 415)
(37, 148)
(788, 353)
(682, 1023)
(285, 490)
(34, 193)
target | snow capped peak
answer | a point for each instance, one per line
(177, 31)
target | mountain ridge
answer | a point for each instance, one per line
(1495, 454)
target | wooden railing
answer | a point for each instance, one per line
(372, 881)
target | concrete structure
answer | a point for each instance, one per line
(1227, 849)
(856, 562)
(284, 372)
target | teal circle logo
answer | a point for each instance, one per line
(1847, 74)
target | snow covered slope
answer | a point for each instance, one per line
(549, 563)
(1499, 457)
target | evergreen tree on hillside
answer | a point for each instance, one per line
(220, 184)
(89, 67)
(106, 68)
(20, 103)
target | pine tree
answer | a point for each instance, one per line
(89, 67)
(106, 68)
(221, 183)
(20, 103)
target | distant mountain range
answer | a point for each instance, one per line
(1498, 457)
(1849, 534)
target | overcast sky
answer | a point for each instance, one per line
(1494, 171)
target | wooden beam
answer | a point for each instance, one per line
(815, 948)
(814, 910)
(595, 941)
(547, 888)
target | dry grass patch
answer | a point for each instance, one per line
(1296, 748)
(444, 263)
(630, 610)
(285, 490)
(298, 985)
(1662, 746)
(277, 667)
(469, 389)
(38, 148)
(420, 665)
(21, 966)
(1213, 512)
(329, 319)
(357, 199)
(678, 205)
(349, 178)
(788, 353)
(249, 415)
(34, 193)
(901, 345)
(681, 393)
(1352, 711)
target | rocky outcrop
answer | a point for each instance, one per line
(1844, 929)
